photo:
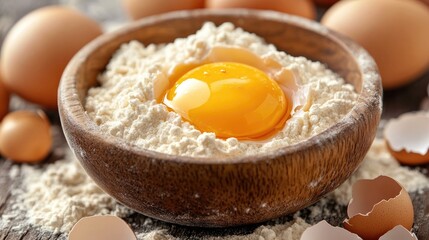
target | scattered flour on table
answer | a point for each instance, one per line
(56, 196)
(378, 161)
(124, 104)
(289, 230)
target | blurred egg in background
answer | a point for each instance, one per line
(37, 49)
(303, 8)
(137, 9)
(394, 32)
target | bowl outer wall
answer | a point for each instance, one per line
(209, 192)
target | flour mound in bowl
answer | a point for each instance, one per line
(124, 104)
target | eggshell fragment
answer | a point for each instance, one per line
(377, 206)
(398, 233)
(101, 227)
(325, 231)
(407, 138)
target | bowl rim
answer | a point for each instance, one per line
(70, 103)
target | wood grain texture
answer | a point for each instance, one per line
(210, 192)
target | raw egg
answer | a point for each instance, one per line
(232, 92)
(303, 8)
(377, 206)
(101, 227)
(407, 138)
(38, 48)
(137, 9)
(230, 99)
(25, 136)
(394, 32)
(4, 98)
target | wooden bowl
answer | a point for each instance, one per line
(247, 189)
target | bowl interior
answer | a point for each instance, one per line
(290, 37)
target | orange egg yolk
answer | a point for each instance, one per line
(230, 99)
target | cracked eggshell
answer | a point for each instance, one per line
(407, 138)
(323, 230)
(101, 227)
(377, 206)
(398, 233)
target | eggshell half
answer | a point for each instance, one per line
(407, 138)
(101, 227)
(325, 231)
(377, 206)
(398, 233)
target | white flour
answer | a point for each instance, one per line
(56, 197)
(124, 104)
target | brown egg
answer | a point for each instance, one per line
(4, 98)
(38, 48)
(137, 9)
(395, 33)
(377, 206)
(25, 136)
(101, 227)
(303, 8)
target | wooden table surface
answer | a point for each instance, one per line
(395, 102)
